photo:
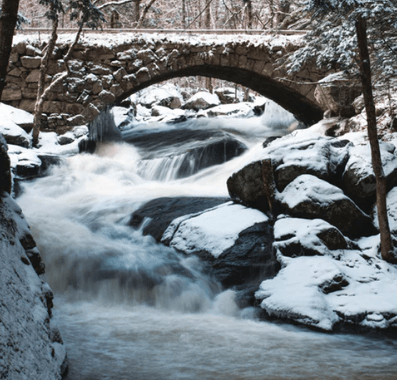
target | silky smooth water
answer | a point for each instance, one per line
(129, 308)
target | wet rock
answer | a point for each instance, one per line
(66, 138)
(246, 186)
(159, 213)
(245, 263)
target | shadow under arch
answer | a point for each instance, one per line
(304, 110)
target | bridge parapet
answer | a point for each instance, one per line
(108, 69)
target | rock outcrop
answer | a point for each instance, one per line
(31, 347)
(239, 256)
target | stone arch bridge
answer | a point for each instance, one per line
(107, 68)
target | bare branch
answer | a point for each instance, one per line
(145, 11)
(116, 3)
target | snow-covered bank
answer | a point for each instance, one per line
(30, 346)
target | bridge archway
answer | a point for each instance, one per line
(105, 74)
(304, 110)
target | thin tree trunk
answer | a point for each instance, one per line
(8, 20)
(269, 186)
(249, 14)
(381, 190)
(184, 14)
(137, 13)
(38, 109)
(145, 11)
(208, 14)
(283, 10)
(208, 85)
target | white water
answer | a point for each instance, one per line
(131, 309)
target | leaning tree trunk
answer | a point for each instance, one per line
(144, 13)
(39, 106)
(8, 20)
(386, 244)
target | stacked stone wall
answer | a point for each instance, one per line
(105, 75)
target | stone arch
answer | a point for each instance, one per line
(104, 75)
(304, 109)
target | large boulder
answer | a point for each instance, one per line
(14, 134)
(159, 213)
(201, 101)
(310, 197)
(31, 347)
(306, 237)
(359, 178)
(235, 241)
(166, 96)
(322, 157)
(246, 186)
(336, 92)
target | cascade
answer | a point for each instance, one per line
(130, 308)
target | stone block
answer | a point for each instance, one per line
(19, 48)
(10, 93)
(29, 93)
(30, 62)
(27, 105)
(33, 76)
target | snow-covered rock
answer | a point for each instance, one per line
(213, 230)
(237, 109)
(166, 96)
(31, 347)
(359, 178)
(291, 156)
(310, 197)
(234, 240)
(352, 287)
(202, 100)
(14, 134)
(20, 117)
(305, 237)
(228, 95)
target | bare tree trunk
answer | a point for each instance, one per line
(137, 13)
(8, 20)
(269, 186)
(208, 85)
(145, 11)
(208, 14)
(249, 14)
(184, 14)
(283, 10)
(38, 109)
(386, 244)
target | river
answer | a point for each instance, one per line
(129, 308)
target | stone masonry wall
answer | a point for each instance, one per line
(104, 75)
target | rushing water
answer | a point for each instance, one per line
(129, 308)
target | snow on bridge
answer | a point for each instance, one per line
(109, 67)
